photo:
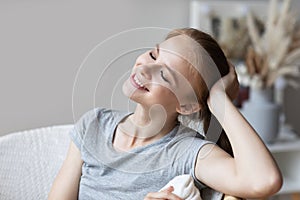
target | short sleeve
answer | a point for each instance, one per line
(207, 193)
(77, 133)
(198, 183)
(189, 143)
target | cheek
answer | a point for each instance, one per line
(142, 59)
(166, 96)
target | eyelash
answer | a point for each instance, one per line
(162, 76)
(161, 72)
(151, 55)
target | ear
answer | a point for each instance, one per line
(188, 109)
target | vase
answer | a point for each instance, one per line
(262, 113)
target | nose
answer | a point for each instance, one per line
(144, 59)
(145, 71)
(144, 64)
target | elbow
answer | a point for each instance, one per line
(268, 186)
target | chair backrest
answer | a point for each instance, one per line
(30, 160)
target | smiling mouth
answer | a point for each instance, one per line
(137, 83)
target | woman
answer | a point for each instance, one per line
(117, 155)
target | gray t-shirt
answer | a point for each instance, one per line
(108, 174)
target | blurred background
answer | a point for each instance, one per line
(44, 43)
(59, 59)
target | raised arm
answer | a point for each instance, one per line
(66, 184)
(252, 173)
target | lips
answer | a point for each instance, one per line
(137, 83)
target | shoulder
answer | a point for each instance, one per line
(94, 113)
(188, 141)
(185, 147)
(101, 114)
(185, 134)
(94, 120)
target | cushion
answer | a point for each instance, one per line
(30, 160)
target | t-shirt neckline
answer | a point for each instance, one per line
(166, 138)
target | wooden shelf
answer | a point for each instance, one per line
(290, 186)
(285, 146)
(287, 141)
(286, 151)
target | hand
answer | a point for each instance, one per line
(228, 85)
(162, 195)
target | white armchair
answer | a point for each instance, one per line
(30, 160)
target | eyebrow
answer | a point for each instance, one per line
(171, 71)
(157, 48)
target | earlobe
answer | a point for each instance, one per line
(188, 109)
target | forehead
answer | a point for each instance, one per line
(187, 56)
(181, 45)
(180, 53)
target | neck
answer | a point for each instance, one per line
(147, 125)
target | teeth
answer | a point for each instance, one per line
(138, 81)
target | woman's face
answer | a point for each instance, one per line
(161, 76)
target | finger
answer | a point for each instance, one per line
(168, 189)
(232, 77)
(154, 195)
(163, 195)
(150, 198)
(231, 66)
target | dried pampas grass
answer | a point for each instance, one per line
(276, 52)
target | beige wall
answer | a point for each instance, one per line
(43, 43)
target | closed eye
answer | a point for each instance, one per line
(152, 56)
(162, 76)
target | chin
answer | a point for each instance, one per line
(126, 89)
(129, 91)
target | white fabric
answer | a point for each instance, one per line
(184, 187)
(30, 160)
